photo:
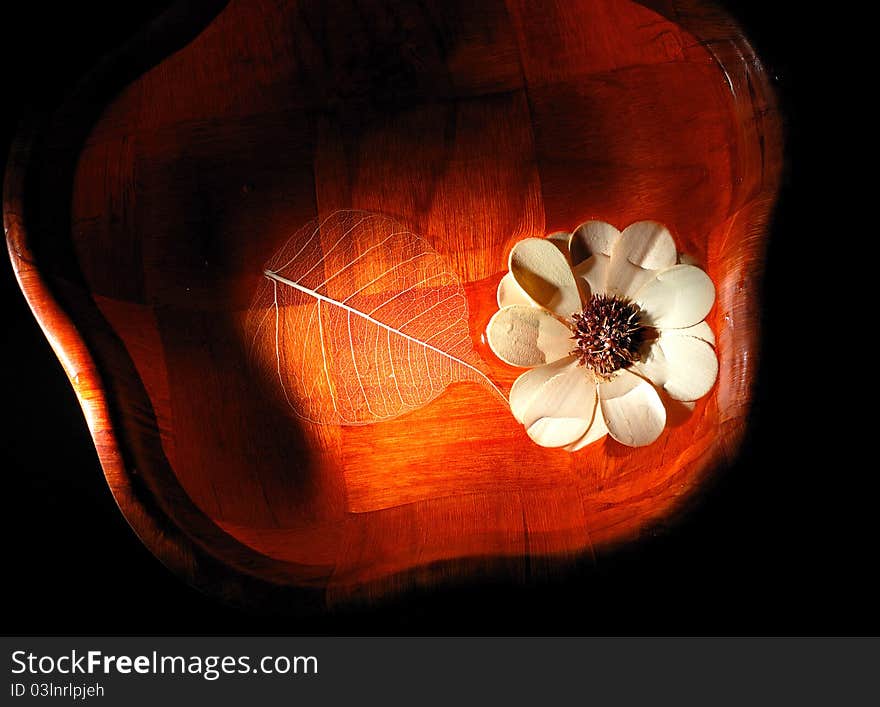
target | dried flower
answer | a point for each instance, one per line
(603, 318)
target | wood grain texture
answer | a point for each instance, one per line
(139, 234)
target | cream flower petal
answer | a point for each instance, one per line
(592, 274)
(684, 366)
(529, 384)
(562, 411)
(642, 247)
(632, 409)
(527, 336)
(675, 298)
(511, 293)
(700, 331)
(560, 240)
(541, 269)
(597, 430)
(556, 431)
(592, 238)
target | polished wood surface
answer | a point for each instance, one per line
(139, 225)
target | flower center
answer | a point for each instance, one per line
(608, 333)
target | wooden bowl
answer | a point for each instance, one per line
(140, 216)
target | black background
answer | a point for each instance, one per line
(783, 543)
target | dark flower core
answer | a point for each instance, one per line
(609, 334)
